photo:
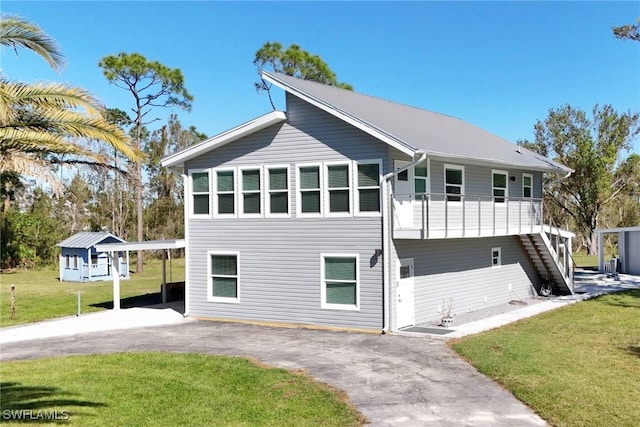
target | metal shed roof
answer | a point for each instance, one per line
(148, 245)
(87, 239)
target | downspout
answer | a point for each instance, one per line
(387, 232)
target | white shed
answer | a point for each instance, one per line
(628, 249)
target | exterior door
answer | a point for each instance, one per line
(403, 200)
(405, 304)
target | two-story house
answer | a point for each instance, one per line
(351, 211)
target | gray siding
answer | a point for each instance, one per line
(632, 252)
(280, 258)
(461, 269)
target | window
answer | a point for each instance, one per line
(338, 189)
(368, 183)
(250, 199)
(94, 260)
(454, 182)
(278, 197)
(499, 185)
(223, 277)
(309, 185)
(340, 288)
(496, 257)
(421, 178)
(527, 185)
(75, 262)
(200, 192)
(225, 192)
(67, 260)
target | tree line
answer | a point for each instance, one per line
(70, 164)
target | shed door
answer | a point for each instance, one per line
(633, 252)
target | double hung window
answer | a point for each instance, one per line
(454, 182)
(499, 186)
(368, 191)
(225, 192)
(223, 277)
(340, 287)
(338, 189)
(278, 184)
(527, 185)
(200, 193)
(251, 185)
(309, 190)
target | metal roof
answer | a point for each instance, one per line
(86, 239)
(413, 128)
(149, 245)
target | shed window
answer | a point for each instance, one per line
(278, 199)
(226, 199)
(454, 182)
(368, 187)
(75, 262)
(223, 277)
(309, 200)
(339, 193)
(200, 192)
(340, 286)
(527, 185)
(67, 261)
(499, 183)
(251, 191)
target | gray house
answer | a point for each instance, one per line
(352, 211)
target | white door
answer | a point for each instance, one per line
(403, 200)
(405, 307)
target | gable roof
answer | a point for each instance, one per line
(87, 239)
(411, 129)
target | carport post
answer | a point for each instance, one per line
(164, 276)
(115, 274)
(600, 253)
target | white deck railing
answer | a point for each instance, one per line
(433, 216)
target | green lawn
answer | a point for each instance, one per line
(159, 389)
(40, 295)
(583, 260)
(575, 366)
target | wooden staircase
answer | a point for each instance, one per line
(546, 261)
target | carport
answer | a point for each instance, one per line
(628, 249)
(112, 250)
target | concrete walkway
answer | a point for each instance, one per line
(394, 380)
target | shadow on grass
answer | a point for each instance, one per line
(621, 299)
(26, 401)
(634, 350)
(136, 301)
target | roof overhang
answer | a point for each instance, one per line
(616, 230)
(252, 126)
(357, 122)
(149, 245)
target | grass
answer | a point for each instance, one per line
(575, 366)
(40, 295)
(583, 260)
(161, 389)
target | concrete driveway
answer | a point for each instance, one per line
(393, 380)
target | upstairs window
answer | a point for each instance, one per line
(499, 183)
(200, 193)
(454, 182)
(251, 200)
(527, 185)
(309, 185)
(278, 198)
(338, 189)
(421, 178)
(368, 192)
(225, 192)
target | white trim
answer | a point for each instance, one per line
(212, 298)
(299, 212)
(224, 138)
(191, 193)
(356, 188)
(187, 253)
(530, 176)
(325, 189)
(323, 288)
(241, 192)
(214, 192)
(267, 191)
(498, 258)
(444, 179)
(506, 187)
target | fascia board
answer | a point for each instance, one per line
(255, 125)
(342, 115)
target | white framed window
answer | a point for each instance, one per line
(454, 182)
(496, 257)
(421, 178)
(251, 192)
(277, 198)
(337, 187)
(309, 201)
(527, 185)
(367, 184)
(200, 192)
(75, 262)
(223, 277)
(67, 261)
(225, 194)
(499, 182)
(340, 281)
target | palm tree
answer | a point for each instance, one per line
(47, 124)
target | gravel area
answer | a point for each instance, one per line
(472, 316)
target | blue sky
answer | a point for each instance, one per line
(498, 65)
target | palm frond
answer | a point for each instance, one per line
(32, 166)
